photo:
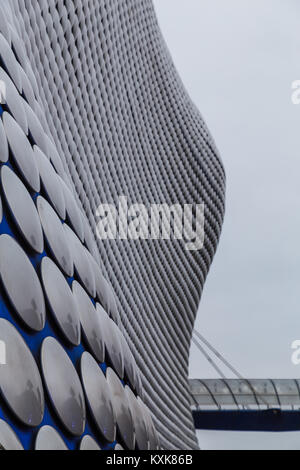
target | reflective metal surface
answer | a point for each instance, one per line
(21, 283)
(90, 322)
(55, 235)
(9, 62)
(118, 447)
(101, 287)
(18, 46)
(73, 212)
(3, 144)
(22, 152)
(8, 438)
(105, 295)
(130, 366)
(4, 28)
(97, 160)
(61, 301)
(113, 346)
(90, 241)
(39, 111)
(20, 380)
(48, 439)
(14, 102)
(82, 264)
(139, 423)
(53, 155)
(113, 309)
(121, 408)
(151, 431)
(63, 385)
(31, 77)
(98, 396)
(50, 182)
(28, 92)
(22, 209)
(88, 443)
(138, 383)
(35, 129)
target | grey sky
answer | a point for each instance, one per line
(238, 59)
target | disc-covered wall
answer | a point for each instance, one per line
(97, 332)
(68, 378)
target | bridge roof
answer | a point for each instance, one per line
(242, 393)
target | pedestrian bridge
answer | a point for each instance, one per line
(246, 405)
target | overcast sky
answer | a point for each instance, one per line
(238, 59)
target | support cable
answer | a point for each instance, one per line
(226, 363)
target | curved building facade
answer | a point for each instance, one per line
(92, 111)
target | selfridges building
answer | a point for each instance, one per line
(95, 333)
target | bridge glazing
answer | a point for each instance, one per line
(214, 394)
